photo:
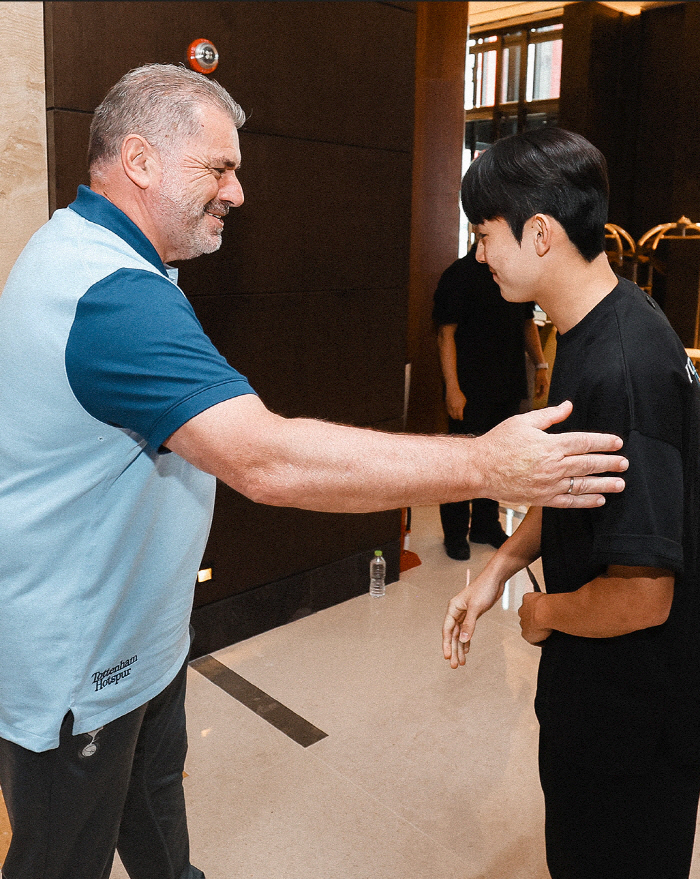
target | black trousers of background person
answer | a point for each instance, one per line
(604, 826)
(70, 807)
(480, 513)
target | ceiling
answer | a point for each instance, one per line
(499, 14)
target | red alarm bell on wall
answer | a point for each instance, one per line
(202, 56)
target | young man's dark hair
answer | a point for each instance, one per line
(546, 171)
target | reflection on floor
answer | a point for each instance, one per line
(423, 772)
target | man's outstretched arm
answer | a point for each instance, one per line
(315, 465)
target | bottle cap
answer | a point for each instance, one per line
(377, 552)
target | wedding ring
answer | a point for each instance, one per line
(571, 485)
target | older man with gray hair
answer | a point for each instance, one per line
(117, 413)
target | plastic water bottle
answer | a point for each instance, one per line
(377, 574)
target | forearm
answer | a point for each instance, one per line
(333, 468)
(533, 344)
(447, 348)
(621, 601)
(520, 550)
(455, 399)
(327, 467)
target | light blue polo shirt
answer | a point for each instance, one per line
(101, 529)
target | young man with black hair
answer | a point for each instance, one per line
(618, 696)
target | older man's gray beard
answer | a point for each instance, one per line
(186, 223)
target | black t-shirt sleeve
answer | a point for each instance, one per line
(643, 526)
(620, 383)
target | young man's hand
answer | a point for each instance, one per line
(532, 631)
(462, 613)
(455, 401)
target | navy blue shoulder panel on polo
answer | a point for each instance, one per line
(138, 358)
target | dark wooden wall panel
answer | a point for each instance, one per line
(656, 131)
(317, 216)
(252, 544)
(441, 43)
(686, 141)
(295, 349)
(666, 180)
(326, 71)
(308, 294)
(599, 93)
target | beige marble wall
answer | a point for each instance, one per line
(23, 168)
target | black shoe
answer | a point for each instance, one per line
(458, 550)
(495, 538)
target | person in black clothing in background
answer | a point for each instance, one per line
(481, 339)
(618, 691)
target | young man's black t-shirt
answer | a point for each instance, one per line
(619, 704)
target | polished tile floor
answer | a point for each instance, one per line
(423, 772)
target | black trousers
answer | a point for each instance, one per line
(119, 787)
(456, 518)
(481, 514)
(604, 826)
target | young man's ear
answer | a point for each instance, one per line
(139, 160)
(542, 231)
